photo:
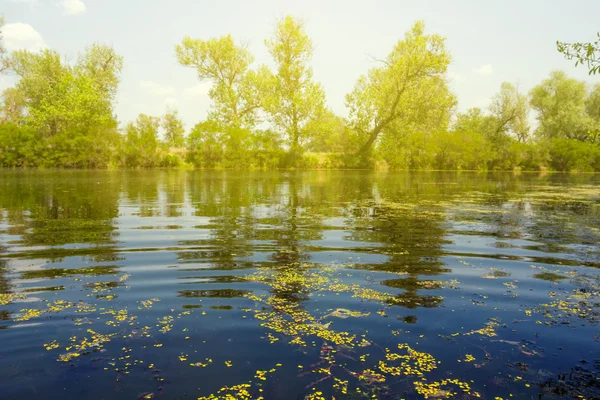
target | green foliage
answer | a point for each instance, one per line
(561, 105)
(510, 109)
(407, 92)
(225, 65)
(17, 146)
(61, 114)
(13, 105)
(210, 145)
(569, 154)
(291, 99)
(328, 133)
(141, 142)
(62, 97)
(462, 149)
(174, 129)
(204, 145)
(583, 53)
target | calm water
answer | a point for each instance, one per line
(178, 285)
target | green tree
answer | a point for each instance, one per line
(408, 87)
(328, 133)
(17, 146)
(234, 86)
(173, 127)
(59, 97)
(560, 102)
(510, 110)
(474, 120)
(569, 154)
(292, 99)
(462, 149)
(204, 144)
(583, 53)
(142, 144)
(267, 150)
(103, 66)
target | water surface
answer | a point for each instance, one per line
(293, 285)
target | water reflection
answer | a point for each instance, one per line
(409, 246)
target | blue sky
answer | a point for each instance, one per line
(490, 41)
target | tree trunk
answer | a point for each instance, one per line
(367, 146)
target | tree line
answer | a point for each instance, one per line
(401, 114)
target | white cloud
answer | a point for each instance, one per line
(484, 70)
(22, 36)
(157, 89)
(72, 7)
(455, 77)
(201, 89)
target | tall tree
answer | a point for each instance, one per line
(59, 96)
(173, 127)
(560, 102)
(225, 65)
(292, 99)
(510, 108)
(584, 53)
(409, 84)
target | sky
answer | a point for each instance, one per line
(490, 41)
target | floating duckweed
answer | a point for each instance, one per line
(165, 323)
(412, 363)
(7, 298)
(201, 364)
(441, 388)
(488, 330)
(52, 345)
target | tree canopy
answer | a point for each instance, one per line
(291, 99)
(409, 86)
(401, 114)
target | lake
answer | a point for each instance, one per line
(298, 285)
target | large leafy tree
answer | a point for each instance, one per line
(510, 109)
(226, 66)
(205, 144)
(59, 96)
(406, 90)
(292, 99)
(560, 102)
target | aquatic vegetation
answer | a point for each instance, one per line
(487, 330)
(252, 310)
(7, 298)
(442, 389)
